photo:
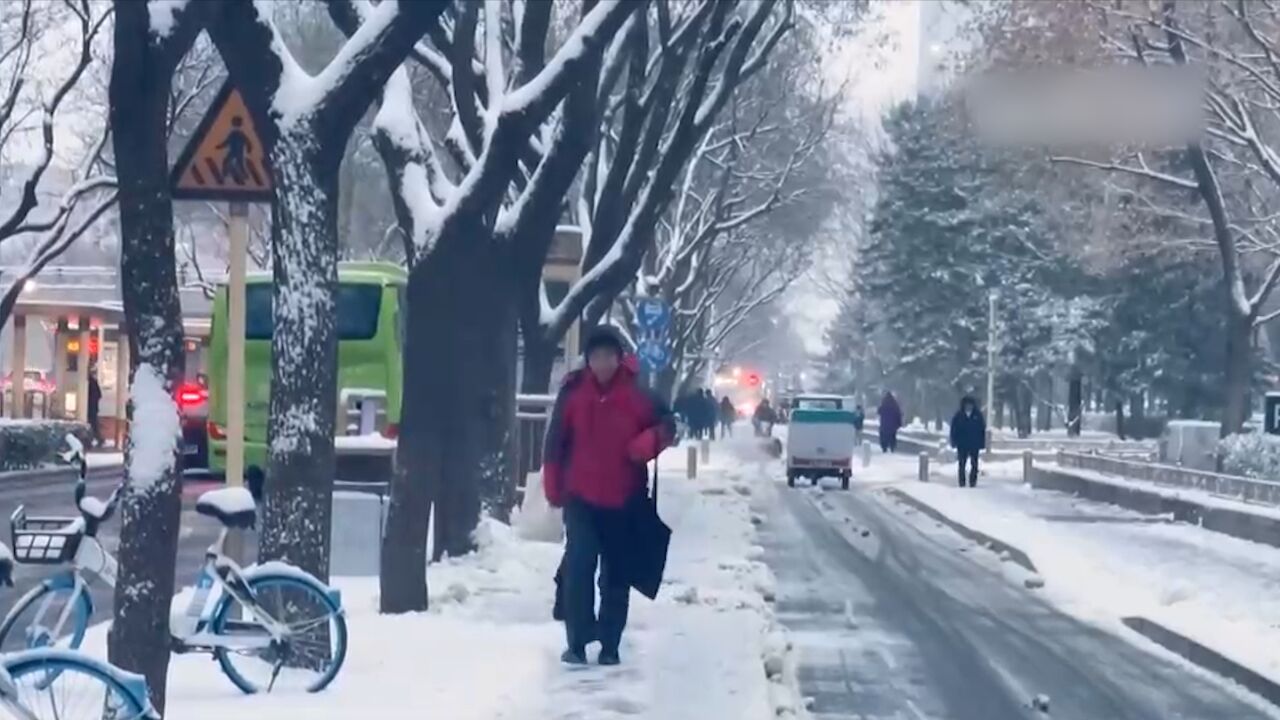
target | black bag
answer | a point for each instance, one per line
(650, 538)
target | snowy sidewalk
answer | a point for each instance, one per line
(1103, 563)
(488, 648)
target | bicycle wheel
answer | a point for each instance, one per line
(308, 659)
(34, 620)
(82, 690)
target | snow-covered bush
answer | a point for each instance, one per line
(28, 444)
(1254, 455)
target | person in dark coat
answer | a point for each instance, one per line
(764, 418)
(728, 416)
(859, 419)
(94, 409)
(968, 437)
(710, 413)
(890, 422)
(684, 408)
(604, 429)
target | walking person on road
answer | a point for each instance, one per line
(764, 418)
(728, 416)
(890, 422)
(859, 419)
(604, 430)
(968, 437)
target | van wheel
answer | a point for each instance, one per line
(844, 481)
(791, 479)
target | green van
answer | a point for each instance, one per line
(370, 303)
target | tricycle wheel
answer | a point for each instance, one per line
(844, 480)
(791, 479)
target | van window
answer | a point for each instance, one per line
(817, 404)
(358, 308)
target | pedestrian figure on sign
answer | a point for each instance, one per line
(890, 422)
(728, 416)
(968, 437)
(604, 430)
(238, 147)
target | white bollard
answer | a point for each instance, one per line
(1026, 466)
(691, 468)
(706, 451)
(866, 454)
(924, 467)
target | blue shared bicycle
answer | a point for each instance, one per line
(269, 626)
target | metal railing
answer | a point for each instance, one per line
(532, 414)
(1228, 486)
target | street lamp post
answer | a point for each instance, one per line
(991, 364)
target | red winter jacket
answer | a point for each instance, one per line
(600, 438)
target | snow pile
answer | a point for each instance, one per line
(488, 648)
(1255, 455)
(156, 427)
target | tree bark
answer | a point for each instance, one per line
(457, 444)
(304, 345)
(1120, 430)
(1235, 406)
(1075, 401)
(141, 76)
(1023, 410)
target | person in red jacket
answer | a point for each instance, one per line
(604, 430)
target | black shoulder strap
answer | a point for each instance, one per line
(655, 480)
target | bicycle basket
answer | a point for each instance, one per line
(45, 540)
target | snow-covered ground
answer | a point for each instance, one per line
(1103, 563)
(488, 648)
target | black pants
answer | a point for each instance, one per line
(889, 442)
(584, 550)
(971, 457)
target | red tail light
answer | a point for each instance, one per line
(391, 431)
(191, 394)
(215, 431)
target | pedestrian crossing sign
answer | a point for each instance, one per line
(224, 159)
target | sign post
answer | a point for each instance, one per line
(225, 161)
(653, 347)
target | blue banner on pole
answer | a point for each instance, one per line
(652, 314)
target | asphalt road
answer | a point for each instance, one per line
(55, 498)
(907, 622)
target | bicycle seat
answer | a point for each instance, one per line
(233, 507)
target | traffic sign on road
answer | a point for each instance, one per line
(654, 355)
(652, 314)
(224, 159)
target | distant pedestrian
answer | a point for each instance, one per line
(890, 422)
(764, 419)
(859, 419)
(968, 437)
(604, 429)
(710, 412)
(95, 404)
(728, 416)
(684, 408)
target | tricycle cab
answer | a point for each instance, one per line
(820, 439)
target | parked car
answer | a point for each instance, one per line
(193, 405)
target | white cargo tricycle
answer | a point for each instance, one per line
(820, 439)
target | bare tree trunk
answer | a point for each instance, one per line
(1137, 415)
(139, 93)
(1075, 400)
(1235, 405)
(1024, 410)
(457, 440)
(1120, 430)
(299, 491)
(1044, 408)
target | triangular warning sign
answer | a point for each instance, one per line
(224, 159)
